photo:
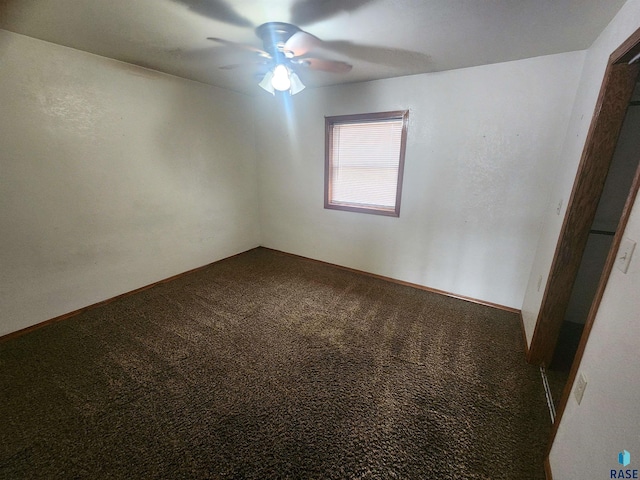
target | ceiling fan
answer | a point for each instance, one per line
(285, 49)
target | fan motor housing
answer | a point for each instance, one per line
(274, 35)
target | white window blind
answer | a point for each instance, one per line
(364, 163)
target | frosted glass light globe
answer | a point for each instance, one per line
(281, 80)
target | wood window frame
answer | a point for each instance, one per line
(364, 118)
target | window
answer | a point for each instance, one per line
(364, 161)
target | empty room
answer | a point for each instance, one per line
(248, 239)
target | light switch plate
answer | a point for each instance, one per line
(581, 385)
(624, 254)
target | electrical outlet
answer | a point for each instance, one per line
(559, 208)
(581, 385)
(539, 282)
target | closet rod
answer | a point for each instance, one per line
(602, 232)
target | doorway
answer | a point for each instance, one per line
(610, 209)
(611, 107)
(614, 101)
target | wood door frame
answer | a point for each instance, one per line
(602, 138)
(617, 61)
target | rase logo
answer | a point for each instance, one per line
(624, 459)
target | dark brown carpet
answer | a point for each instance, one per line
(269, 366)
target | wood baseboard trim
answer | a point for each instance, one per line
(407, 284)
(24, 331)
(547, 469)
(37, 326)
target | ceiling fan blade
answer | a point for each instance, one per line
(301, 43)
(392, 57)
(243, 46)
(217, 10)
(241, 65)
(305, 12)
(332, 66)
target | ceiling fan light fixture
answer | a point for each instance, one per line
(286, 48)
(265, 83)
(281, 80)
(296, 84)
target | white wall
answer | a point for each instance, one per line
(623, 25)
(112, 177)
(607, 421)
(482, 145)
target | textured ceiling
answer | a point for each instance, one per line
(380, 38)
